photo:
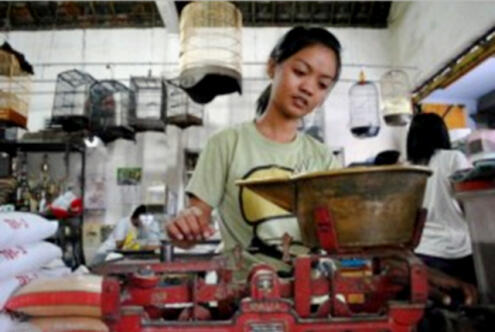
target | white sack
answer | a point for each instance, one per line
(28, 258)
(18, 228)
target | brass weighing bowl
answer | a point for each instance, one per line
(370, 206)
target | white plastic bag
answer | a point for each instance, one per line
(29, 258)
(54, 269)
(66, 205)
(18, 228)
(64, 201)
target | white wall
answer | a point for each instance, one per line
(427, 34)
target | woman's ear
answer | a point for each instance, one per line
(270, 68)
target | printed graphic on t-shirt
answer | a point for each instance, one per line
(256, 209)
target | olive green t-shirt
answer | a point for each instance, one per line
(242, 152)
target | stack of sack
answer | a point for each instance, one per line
(24, 256)
(71, 303)
(23, 252)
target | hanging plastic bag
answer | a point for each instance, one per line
(66, 205)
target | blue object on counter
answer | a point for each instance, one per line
(353, 262)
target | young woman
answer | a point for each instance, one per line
(445, 243)
(303, 67)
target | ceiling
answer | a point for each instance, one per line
(371, 14)
(50, 15)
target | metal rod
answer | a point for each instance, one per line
(170, 63)
(252, 79)
(44, 92)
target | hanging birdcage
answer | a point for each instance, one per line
(111, 109)
(210, 48)
(181, 110)
(396, 98)
(70, 107)
(364, 111)
(150, 100)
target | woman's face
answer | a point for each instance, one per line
(302, 81)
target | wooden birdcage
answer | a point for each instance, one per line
(15, 91)
(210, 49)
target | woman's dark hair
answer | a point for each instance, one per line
(292, 42)
(138, 211)
(427, 134)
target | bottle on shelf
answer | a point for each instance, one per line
(23, 193)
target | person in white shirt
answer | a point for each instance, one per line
(445, 243)
(137, 231)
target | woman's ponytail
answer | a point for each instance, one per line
(262, 101)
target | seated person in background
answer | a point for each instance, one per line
(140, 231)
(445, 243)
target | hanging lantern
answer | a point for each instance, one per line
(364, 111)
(149, 103)
(210, 49)
(69, 104)
(396, 98)
(181, 110)
(110, 103)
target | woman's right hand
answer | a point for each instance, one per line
(191, 225)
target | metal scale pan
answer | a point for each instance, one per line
(369, 206)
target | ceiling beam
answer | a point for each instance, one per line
(472, 56)
(351, 13)
(8, 22)
(253, 12)
(274, 12)
(169, 14)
